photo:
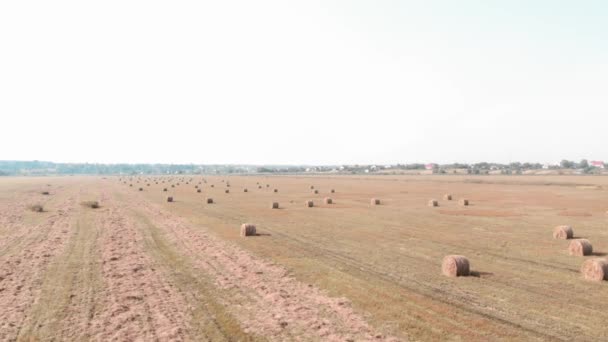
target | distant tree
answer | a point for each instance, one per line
(566, 164)
(584, 164)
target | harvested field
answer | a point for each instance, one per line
(139, 267)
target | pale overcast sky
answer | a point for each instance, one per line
(314, 82)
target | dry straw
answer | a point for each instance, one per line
(595, 269)
(563, 232)
(580, 247)
(247, 229)
(455, 266)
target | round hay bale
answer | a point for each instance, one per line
(247, 229)
(165, 189)
(173, 186)
(245, 190)
(563, 232)
(310, 204)
(580, 247)
(170, 199)
(328, 200)
(375, 201)
(275, 190)
(463, 202)
(227, 191)
(213, 186)
(209, 200)
(274, 205)
(455, 266)
(315, 191)
(268, 185)
(198, 190)
(141, 189)
(196, 186)
(433, 203)
(259, 186)
(595, 269)
(312, 187)
(447, 197)
(332, 191)
(130, 184)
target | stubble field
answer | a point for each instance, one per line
(141, 268)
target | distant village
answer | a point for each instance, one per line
(40, 168)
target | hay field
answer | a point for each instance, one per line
(140, 267)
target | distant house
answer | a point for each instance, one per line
(430, 166)
(598, 164)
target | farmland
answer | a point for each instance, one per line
(142, 267)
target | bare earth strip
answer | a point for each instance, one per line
(23, 265)
(265, 299)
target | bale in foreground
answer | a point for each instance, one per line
(580, 247)
(595, 269)
(455, 266)
(563, 232)
(247, 229)
(91, 204)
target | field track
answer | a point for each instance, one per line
(142, 268)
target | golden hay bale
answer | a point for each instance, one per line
(169, 199)
(274, 205)
(245, 190)
(580, 247)
(375, 201)
(213, 186)
(227, 191)
(312, 187)
(332, 191)
(310, 204)
(433, 203)
(38, 208)
(259, 186)
(328, 200)
(90, 204)
(247, 229)
(595, 269)
(209, 200)
(563, 232)
(198, 190)
(173, 186)
(463, 201)
(130, 184)
(455, 266)
(165, 189)
(141, 189)
(268, 185)
(275, 190)
(315, 191)
(447, 197)
(196, 186)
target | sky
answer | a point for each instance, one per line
(303, 82)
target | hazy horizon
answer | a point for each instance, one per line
(303, 83)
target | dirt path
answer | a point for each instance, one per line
(262, 296)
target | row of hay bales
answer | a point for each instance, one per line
(593, 269)
(447, 197)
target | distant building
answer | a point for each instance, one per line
(598, 164)
(430, 166)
